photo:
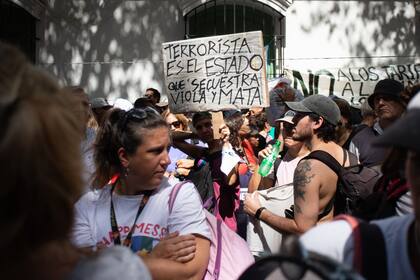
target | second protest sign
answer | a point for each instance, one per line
(216, 73)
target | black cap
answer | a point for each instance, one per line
(405, 132)
(388, 87)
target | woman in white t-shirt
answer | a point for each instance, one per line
(131, 209)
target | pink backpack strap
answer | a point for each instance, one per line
(174, 193)
(217, 264)
(216, 271)
(354, 224)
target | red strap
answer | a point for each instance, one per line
(114, 179)
(357, 239)
(396, 188)
(249, 153)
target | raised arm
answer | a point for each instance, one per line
(178, 141)
(229, 157)
(257, 182)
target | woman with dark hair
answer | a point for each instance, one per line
(238, 127)
(42, 179)
(132, 209)
(239, 130)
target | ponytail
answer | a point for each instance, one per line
(106, 147)
(120, 129)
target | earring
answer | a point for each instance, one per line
(127, 170)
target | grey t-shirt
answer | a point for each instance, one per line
(117, 262)
(335, 240)
(362, 146)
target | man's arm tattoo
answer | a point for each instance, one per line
(300, 179)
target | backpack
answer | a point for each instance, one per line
(355, 182)
(369, 259)
(382, 203)
(229, 253)
(369, 253)
(295, 262)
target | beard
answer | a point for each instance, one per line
(302, 135)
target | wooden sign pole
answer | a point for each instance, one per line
(217, 120)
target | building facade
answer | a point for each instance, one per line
(113, 47)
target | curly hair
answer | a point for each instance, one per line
(234, 123)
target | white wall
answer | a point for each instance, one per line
(111, 47)
(351, 34)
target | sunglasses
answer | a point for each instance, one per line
(288, 127)
(137, 115)
(298, 116)
(176, 124)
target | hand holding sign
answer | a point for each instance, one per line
(224, 133)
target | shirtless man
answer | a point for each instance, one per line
(314, 183)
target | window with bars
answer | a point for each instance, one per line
(219, 17)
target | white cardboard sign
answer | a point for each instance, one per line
(216, 73)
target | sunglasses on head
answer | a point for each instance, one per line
(137, 115)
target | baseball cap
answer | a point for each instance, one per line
(99, 102)
(230, 113)
(162, 103)
(318, 104)
(405, 132)
(288, 117)
(123, 104)
(388, 87)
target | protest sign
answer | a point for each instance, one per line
(216, 73)
(353, 84)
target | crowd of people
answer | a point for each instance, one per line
(88, 183)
